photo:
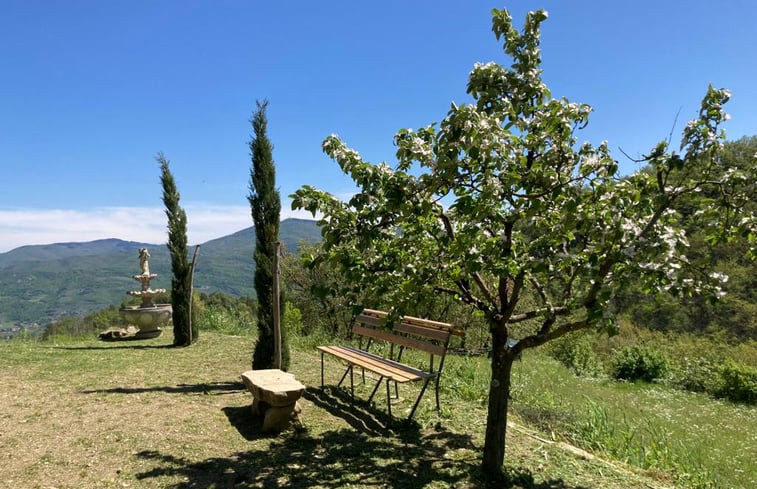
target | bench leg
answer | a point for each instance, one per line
(417, 401)
(321, 370)
(373, 393)
(344, 375)
(388, 399)
(438, 405)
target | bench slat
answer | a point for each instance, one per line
(433, 324)
(387, 368)
(359, 358)
(428, 323)
(388, 361)
(369, 320)
(405, 327)
(435, 334)
(354, 358)
(399, 340)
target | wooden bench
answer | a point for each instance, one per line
(427, 336)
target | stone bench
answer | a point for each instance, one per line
(275, 397)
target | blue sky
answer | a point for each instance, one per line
(92, 90)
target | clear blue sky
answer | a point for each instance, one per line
(91, 90)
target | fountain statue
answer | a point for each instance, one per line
(147, 317)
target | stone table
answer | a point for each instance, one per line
(275, 397)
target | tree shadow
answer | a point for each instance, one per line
(332, 459)
(337, 459)
(356, 412)
(216, 388)
(365, 455)
(338, 403)
(116, 347)
(524, 479)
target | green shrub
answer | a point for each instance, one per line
(738, 382)
(695, 374)
(576, 352)
(639, 363)
(235, 322)
(292, 319)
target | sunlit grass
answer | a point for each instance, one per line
(163, 416)
(697, 439)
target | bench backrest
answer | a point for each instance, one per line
(408, 332)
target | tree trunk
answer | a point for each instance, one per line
(499, 394)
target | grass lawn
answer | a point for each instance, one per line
(86, 413)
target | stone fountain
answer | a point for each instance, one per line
(147, 317)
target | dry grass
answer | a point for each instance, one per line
(143, 414)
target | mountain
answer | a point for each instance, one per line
(42, 282)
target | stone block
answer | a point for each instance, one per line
(275, 397)
(273, 386)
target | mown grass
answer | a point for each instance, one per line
(83, 413)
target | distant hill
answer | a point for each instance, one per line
(42, 282)
(226, 264)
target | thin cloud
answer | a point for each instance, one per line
(19, 227)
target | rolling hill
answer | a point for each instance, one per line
(42, 282)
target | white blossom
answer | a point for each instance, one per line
(721, 277)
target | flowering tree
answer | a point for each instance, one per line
(499, 207)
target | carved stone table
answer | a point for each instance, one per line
(275, 397)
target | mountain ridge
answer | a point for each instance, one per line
(39, 283)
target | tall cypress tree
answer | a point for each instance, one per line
(184, 332)
(265, 207)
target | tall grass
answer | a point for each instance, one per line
(644, 444)
(690, 438)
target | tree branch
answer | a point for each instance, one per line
(540, 290)
(484, 289)
(540, 338)
(465, 295)
(555, 311)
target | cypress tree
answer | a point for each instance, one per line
(265, 207)
(184, 332)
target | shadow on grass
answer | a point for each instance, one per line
(371, 453)
(337, 459)
(216, 388)
(356, 412)
(332, 459)
(116, 347)
(249, 426)
(336, 402)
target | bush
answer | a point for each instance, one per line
(695, 374)
(738, 382)
(576, 352)
(236, 321)
(639, 363)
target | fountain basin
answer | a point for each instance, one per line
(147, 319)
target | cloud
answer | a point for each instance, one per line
(19, 227)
